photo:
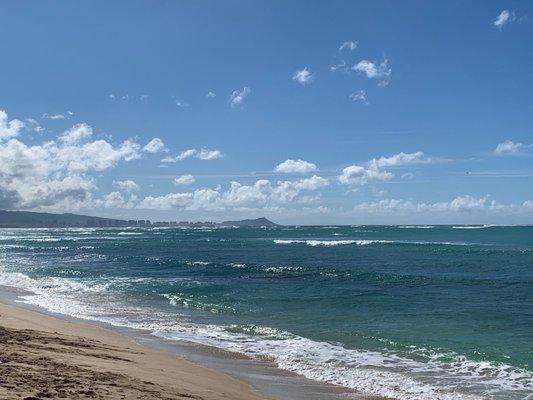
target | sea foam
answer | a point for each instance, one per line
(422, 377)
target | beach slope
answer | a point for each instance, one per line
(44, 357)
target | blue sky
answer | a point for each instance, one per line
(390, 112)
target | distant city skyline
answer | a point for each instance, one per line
(302, 112)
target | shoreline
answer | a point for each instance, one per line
(47, 357)
(212, 368)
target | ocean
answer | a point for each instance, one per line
(408, 312)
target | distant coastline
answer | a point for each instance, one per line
(29, 219)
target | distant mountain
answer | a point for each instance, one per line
(258, 222)
(27, 219)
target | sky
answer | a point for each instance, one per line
(306, 112)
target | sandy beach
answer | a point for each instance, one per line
(44, 357)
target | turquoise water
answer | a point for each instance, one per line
(410, 312)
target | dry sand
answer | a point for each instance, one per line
(43, 357)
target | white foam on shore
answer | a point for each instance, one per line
(370, 372)
(430, 377)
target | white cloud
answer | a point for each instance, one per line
(116, 200)
(358, 175)
(374, 71)
(112, 96)
(509, 148)
(504, 18)
(9, 129)
(260, 194)
(32, 124)
(211, 95)
(400, 159)
(127, 185)
(202, 154)
(155, 145)
(464, 209)
(460, 204)
(295, 166)
(76, 134)
(341, 65)
(205, 154)
(237, 97)
(360, 96)
(67, 115)
(303, 76)
(206, 199)
(184, 180)
(168, 159)
(187, 154)
(57, 173)
(143, 97)
(348, 46)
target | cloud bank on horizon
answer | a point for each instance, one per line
(62, 174)
(296, 140)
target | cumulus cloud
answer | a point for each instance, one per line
(295, 166)
(460, 204)
(75, 134)
(127, 185)
(510, 148)
(184, 180)
(155, 145)
(400, 159)
(187, 154)
(348, 46)
(211, 95)
(116, 200)
(237, 97)
(372, 70)
(303, 76)
(57, 173)
(358, 175)
(9, 129)
(260, 194)
(504, 18)
(465, 209)
(205, 154)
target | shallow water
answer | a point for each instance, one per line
(411, 312)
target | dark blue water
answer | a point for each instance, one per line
(434, 312)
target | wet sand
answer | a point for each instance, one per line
(43, 357)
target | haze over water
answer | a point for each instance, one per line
(411, 312)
